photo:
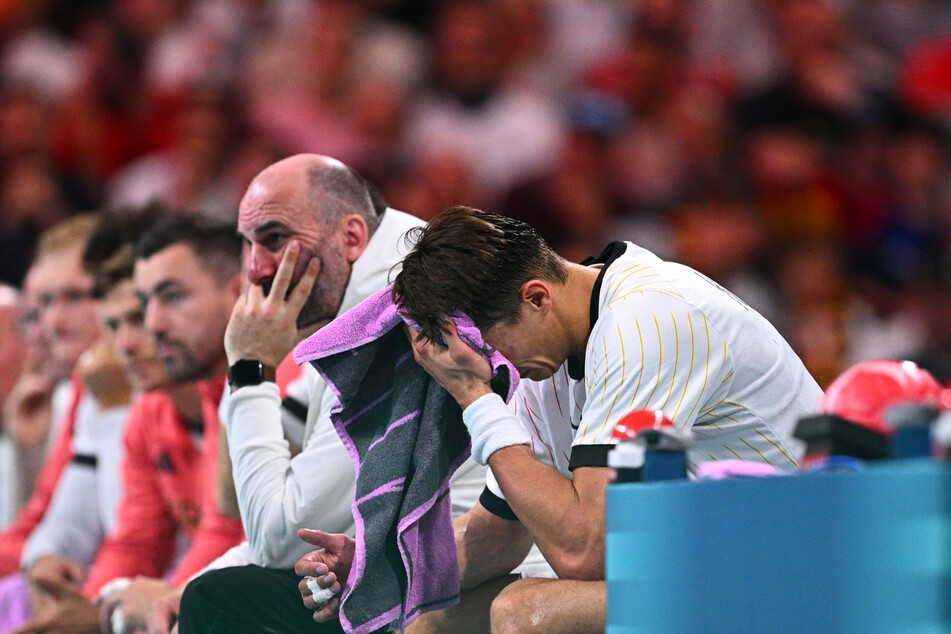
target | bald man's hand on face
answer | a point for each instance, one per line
(264, 328)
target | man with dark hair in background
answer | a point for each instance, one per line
(186, 279)
(170, 456)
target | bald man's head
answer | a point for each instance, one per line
(320, 203)
(320, 186)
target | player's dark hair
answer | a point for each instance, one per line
(472, 262)
(215, 243)
(110, 252)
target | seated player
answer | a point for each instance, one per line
(591, 341)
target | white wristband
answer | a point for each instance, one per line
(492, 426)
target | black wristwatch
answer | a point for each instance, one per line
(248, 372)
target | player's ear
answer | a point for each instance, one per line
(355, 234)
(537, 294)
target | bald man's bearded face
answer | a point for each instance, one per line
(265, 248)
(325, 298)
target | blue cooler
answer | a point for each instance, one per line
(848, 551)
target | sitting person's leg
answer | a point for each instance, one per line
(247, 599)
(550, 606)
(471, 614)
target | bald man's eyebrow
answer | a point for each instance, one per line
(270, 225)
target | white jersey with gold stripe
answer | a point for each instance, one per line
(666, 337)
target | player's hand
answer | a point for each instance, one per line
(51, 569)
(69, 612)
(56, 569)
(104, 376)
(162, 619)
(135, 601)
(27, 412)
(462, 371)
(264, 328)
(330, 566)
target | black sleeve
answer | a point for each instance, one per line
(589, 456)
(496, 505)
(297, 409)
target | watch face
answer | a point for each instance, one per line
(246, 372)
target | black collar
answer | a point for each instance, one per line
(610, 253)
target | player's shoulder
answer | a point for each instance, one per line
(643, 303)
(636, 273)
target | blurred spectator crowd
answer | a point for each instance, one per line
(796, 151)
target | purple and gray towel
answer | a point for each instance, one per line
(405, 436)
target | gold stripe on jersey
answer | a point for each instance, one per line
(645, 271)
(755, 449)
(693, 347)
(676, 360)
(714, 458)
(765, 437)
(620, 280)
(607, 371)
(641, 289)
(620, 387)
(591, 373)
(660, 360)
(591, 380)
(640, 376)
(733, 452)
(706, 370)
(780, 449)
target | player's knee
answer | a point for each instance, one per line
(514, 610)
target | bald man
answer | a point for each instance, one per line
(305, 214)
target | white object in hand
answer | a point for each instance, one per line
(118, 622)
(116, 585)
(321, 594)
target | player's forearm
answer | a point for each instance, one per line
(123, 556)
(29, 463)
(259, 458)
(567, 525)
(69, 527)
(278, 495)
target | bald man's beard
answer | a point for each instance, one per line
(327, 295)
